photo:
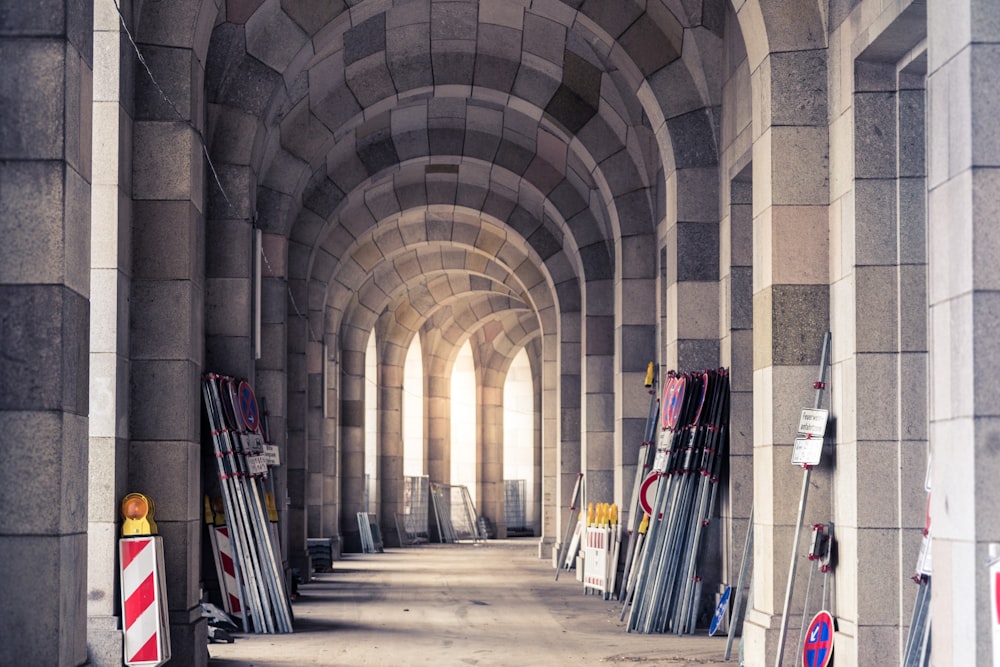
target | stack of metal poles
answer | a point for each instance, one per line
(695, 409)
(642, 468)
(259, 570)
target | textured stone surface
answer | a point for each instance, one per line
(55, 564)
(34, 120)
(44, 349)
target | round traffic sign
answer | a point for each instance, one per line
(720, 612)
(817, 651)
(647, 492)
(248, 406)
(673, 400)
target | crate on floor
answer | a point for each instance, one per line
(321, 553)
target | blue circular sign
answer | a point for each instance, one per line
(817, 651)
(720, 612)
(248, 406)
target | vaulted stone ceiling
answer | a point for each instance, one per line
(458, 164)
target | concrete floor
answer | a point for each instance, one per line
(492, 604)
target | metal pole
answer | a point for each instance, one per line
(570, 524)
(738, 602)
(820, 385)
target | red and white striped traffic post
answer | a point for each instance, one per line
(143, 586)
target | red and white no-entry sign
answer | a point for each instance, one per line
(647, 492)
(144, 601)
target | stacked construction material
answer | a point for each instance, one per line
(371, 535)
(695, 419)
(638, 520)
(235, 425)
(455, 513)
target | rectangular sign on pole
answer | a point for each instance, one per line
(807, 451)
(813, 422)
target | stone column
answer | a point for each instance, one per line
(549, 435)
(437, 417)
(598, 408)
(790, 318)
(45, 158)
(168, 317)
(568, 455)
(352, 439)
(271, 379)
(635, 347)
(489, 455)
(736, 354)
(390, 452)
(964, 297)
(110, 278)
(692, 268)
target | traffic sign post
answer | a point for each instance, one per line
(809, 422)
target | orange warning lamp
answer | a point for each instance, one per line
(137, 511)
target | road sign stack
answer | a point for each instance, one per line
(238, 445)
(695, 421)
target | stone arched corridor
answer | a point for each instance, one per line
(700, 183)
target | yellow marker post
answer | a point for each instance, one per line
(143, 585)
(137, 511)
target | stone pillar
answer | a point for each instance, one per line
(568, 455)
(549, 446)
(964, 298)
(352, 441)
(635, 347)
(437, 417)
(736, 354)
(327, 380)
(489, 456)
(110, 279)
(790, 318)
(390, 453)
(168, 318)
(297, 335)
(271, 379)
(692, 269)
(45, 175)
(598, 400)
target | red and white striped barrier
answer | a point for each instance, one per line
(144, 600)
(595, 568)
(232, 593)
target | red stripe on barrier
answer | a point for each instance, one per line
(131, 549)
(140, 600)
(227, 564)
(149, 652)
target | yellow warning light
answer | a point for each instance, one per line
(137, 510)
